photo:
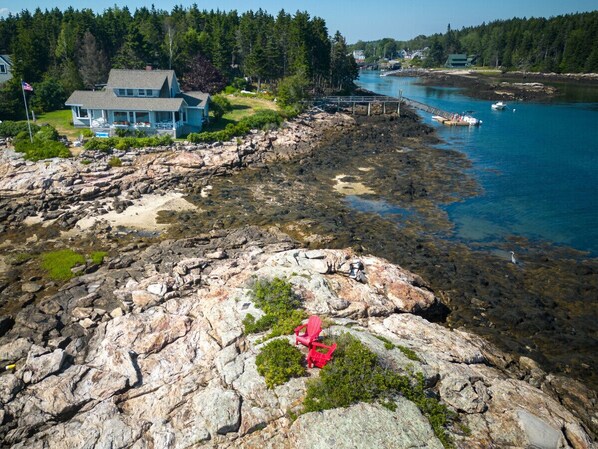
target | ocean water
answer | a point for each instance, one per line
(537, 163)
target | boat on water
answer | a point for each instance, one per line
(458, 120)
(499, 106)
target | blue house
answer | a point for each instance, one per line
(146, 100)
(5, 68)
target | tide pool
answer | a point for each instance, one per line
(537, 164)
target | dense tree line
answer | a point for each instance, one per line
(73, 49)
(562, 44)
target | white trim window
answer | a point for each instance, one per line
(81, 112)
(3, 68)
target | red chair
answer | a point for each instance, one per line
(320, 359)
(311, 333)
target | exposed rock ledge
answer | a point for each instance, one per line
(66, 191)
(148, 352)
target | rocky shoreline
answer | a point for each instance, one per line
(509, 86)
(147, 350)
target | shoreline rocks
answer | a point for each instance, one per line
(156, 332)
(67, 190)
(177, 371)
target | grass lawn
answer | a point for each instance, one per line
(61, 120)
(242, 107)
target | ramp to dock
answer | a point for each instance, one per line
(373, 99)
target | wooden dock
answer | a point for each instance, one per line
(387, 103)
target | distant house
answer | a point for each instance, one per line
(359, 56)
(147, 100)
(459, 61)
(5, 68)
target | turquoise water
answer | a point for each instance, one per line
(537, 164)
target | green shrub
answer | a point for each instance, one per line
(278, 362)
(293, 89)
(58, 264)
(115, 162)
(86, 161)
(263, 324)
(124, 143)
(261, 119)
(280, 305)
(219, 106)
(10, 128)
(387, 343)
(409, 353)
(275, 296)
(97, 257)
(239, 84)
(41, 149)
(87, 133)
(46, 133)
(355, 374)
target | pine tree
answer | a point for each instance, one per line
(93, 65)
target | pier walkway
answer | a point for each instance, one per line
(352, 101)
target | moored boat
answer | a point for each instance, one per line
(458, 120)
(499, 105)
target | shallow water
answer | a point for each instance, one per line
(537, 163)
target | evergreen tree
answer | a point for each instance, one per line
(93, 65)
(343, 70)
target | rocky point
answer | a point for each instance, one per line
(147, 350)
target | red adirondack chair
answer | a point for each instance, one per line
(320, 359)
(312, 331)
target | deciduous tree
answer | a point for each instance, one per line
(201, 75)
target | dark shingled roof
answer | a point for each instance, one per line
(139, 79)
(107, 100)
(195, 99)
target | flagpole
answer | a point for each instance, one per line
(26, 111)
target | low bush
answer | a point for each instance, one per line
(409, 353)
(219, 106)
(11, 128)
(115, 162)
(40, 149)
(280, 305)
(266, 118)
(97, 257)
(355, 374)
(58, 264)
(278, 362)
(124, 143)
(45, 143)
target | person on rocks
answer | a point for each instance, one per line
(356, 271)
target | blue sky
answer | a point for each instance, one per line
(365, 20)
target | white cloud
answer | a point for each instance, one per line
(4, 12)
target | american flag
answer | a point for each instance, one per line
(27, 86)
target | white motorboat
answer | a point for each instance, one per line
(499, 105)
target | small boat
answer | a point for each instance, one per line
(499, 105)
(458, 120)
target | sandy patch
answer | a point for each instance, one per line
(366, 169)
(142, 214)
(351, 188)
(4, 267)
(32, 220)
